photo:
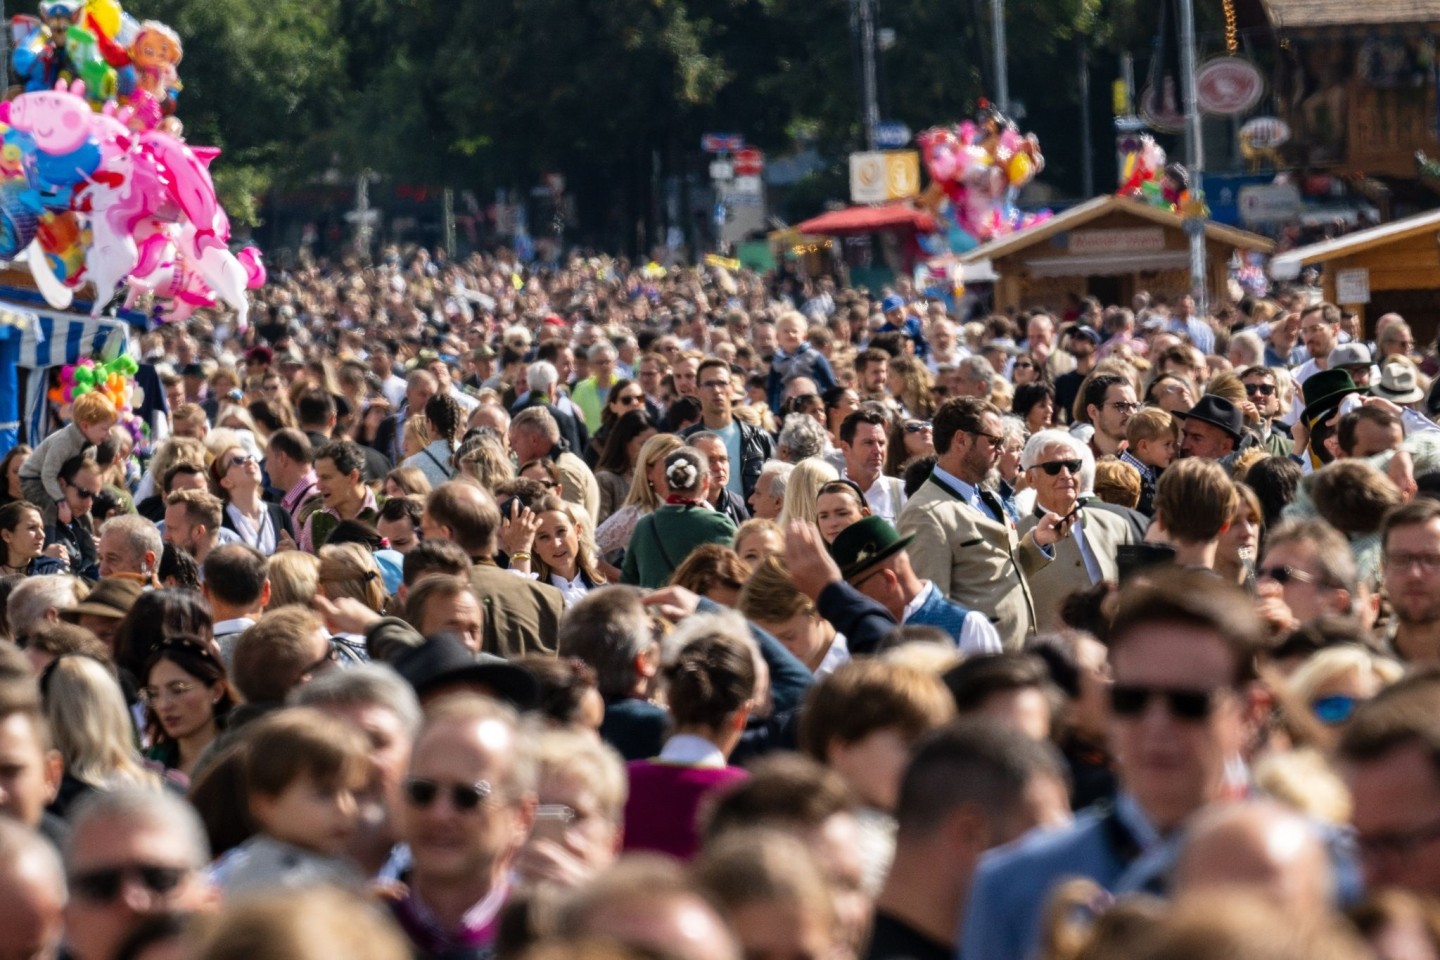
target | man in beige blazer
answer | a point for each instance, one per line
(1060, 468)
(965, 542)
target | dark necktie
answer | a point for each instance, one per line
(992, 503)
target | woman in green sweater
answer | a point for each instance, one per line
(664, 539)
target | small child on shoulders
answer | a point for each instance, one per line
(302, 771)
(92, 415)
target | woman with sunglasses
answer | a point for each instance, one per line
(235, 476)
(1060, 468)
(1332, 682)
(624, 396)
(187, 698)
(909, 438)
(1026, 369)
(615, 470)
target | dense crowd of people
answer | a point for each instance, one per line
(465, 610)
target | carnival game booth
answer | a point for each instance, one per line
(879, 242)
(34, 339)
(1110, 248)
(1394, 267)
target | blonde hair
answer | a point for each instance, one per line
(653, 451)
(483, 459)
(1332, 663)
(300, 924)
(417, 431)
(573, 754)
(411, 480)
(91, 725)
(753, 526)
(349, 570)
(770, 595)
(177, 450)
(294, 577)
(802, 489)
(1305, 781)
(584, 537)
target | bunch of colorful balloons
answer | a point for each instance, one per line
(979, 167)
(113, 379)
(88, 198)
(1144, 175)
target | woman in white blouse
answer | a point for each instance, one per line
(562, 554)
(236, 476)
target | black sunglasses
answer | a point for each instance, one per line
(463, 796)
(82, 493)
(105, 885)
(1053, 468)
(1131, 701)
(1264, 389)
(915, 426)
(1283, 575)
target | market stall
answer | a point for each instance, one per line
(1110, 248)
(880, 242)
(1394, 267)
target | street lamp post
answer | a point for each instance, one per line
(1002, 71)
(1194, 156)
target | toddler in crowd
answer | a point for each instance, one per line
(92, 416)
(302, 770)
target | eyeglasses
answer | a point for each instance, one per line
(1284, 574)
(1264, 389)
(715, 385)
(332, 656)
(1193, 705)
(1026, 365)
(994, 439)
(917, 426)
(1402, 844)
(171, 691)
(1124, 406)
(1054, 467)
(244, 461)
(463, 796)
(630, 398)
(1334, 710)
(105, 885)
(1429, 563)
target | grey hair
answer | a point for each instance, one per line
(801, 438)
(1013, 428)
(600, 350)
(35, 596)
(156, 808)
(421, 375)
(778, 472)
(976, 368)
(1250, 347)
(1037, 443)
(607, 630)
(537, 420)
(365, 685)
(141, 536)
(542, 376)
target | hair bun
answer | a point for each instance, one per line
(682, 474)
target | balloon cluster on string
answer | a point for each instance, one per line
(979, 167)
(96, 184)
(114, 380)
(1144, 175)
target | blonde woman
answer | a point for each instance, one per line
(484, 460)
(561, 553)
(416, 438)
(349, 570)
(803, 488)
(912, 385)
(770, 600)
(1336, 680)
(294, 578)
(647, 494)
(92, 730)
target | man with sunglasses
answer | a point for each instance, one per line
(1307, 572)
(468, 806)
(132, 854)
(1183, 706)
(1262, 391)
(964, 540)
(74, 528)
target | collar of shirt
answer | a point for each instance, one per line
(295, 494)
(1146, 471)
(969, 492)
(687, 750)
(477, 927)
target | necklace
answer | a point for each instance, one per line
(9, 569)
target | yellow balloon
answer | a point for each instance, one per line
(106, 14)
(1020, 169)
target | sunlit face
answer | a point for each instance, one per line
(755, 547)
(336, 488)
(402, 534)
(182, 702)
(865, 453)
(458, 614)
(806, 635)
(27, 540)
(836, 511)
(719, 457)
(557, 542)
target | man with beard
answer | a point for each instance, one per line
(1410, 538)
(1109, 403)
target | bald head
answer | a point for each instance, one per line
(1262, 846)
(32, 893)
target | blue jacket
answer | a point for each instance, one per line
(805, 362)
(939, 612)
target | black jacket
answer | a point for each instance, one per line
(756, 446)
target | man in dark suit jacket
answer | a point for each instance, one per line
(544, 381)
(520, 615)
(317, 416)
(722, 498)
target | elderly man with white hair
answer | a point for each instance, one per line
(1060, 469)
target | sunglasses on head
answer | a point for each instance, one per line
(1264, 389)
(1130, 701)
(105, 885)
(1053, 468)
(463, 796)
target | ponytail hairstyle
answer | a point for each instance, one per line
(686, 470)
(712, 677)
(446, 418)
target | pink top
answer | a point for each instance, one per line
(664, 805)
